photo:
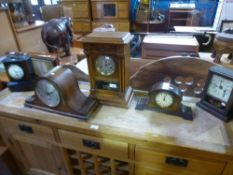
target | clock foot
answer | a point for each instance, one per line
(116, 99)
(186, 112)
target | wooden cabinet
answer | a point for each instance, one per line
(177, 164)
(32, 147)
(120, 25)
(161, 46)
(92, 155)
(81, 15)
(112, 12)
(80, 26)
(116, 141)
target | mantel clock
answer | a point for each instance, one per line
(167, 98)
(108, 57)
(20, 71)
(58, 92)
(217, 97)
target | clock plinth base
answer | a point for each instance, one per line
(122, 100)
(184, 111)
(84, 112)
(206, 107)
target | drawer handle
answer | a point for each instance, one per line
(25, 128)
(177, 161)
(91, 144)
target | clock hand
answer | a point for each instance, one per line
(220, 86)
(224, 93)
(164, 97)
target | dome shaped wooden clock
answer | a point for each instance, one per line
(108, 57)
(59, 92)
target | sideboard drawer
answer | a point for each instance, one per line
(21, 128)
(81, 26)
(94, 145)
(178, 164)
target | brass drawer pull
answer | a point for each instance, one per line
(177, 161)
(25, 128)
(91, 144)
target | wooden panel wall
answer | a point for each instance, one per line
(8, 38)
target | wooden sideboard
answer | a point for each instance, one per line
(115, 141)
(160, 46)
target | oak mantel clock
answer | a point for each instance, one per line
(218, 93)
(108, 56)
(58, 92)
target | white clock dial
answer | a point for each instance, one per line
(15, 71)
(220, 88)
(164, 99)
(47, 93)
(105, 65)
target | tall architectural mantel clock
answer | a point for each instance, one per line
(108, 57)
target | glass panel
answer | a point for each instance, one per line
(34, 2)
(109, 9)
(54, 1)
(47, 2)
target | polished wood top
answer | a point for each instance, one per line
(205, 132)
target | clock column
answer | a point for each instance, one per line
(108, 57)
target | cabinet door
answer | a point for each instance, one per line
(32, 148)
(40, 157)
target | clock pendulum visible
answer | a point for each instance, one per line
(59, 92)
(108, 57)
(165, 97)
(217, 97)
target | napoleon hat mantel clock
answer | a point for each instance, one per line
(108, 57)
(58, 92)
(217, 97)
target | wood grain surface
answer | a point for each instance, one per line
(205, 132)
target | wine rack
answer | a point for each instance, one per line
(82, 163)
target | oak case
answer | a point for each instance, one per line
(116, 46)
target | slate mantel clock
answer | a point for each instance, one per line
(20, 71)
(108, 57)
(217, 97)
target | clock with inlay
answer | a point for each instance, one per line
(167, 98)
(108, 57)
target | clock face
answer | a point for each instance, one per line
(47, 93)
(220, 88)
(164, 99)
(15, 71)
(105, 65)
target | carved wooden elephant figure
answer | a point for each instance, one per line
(57, 33)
